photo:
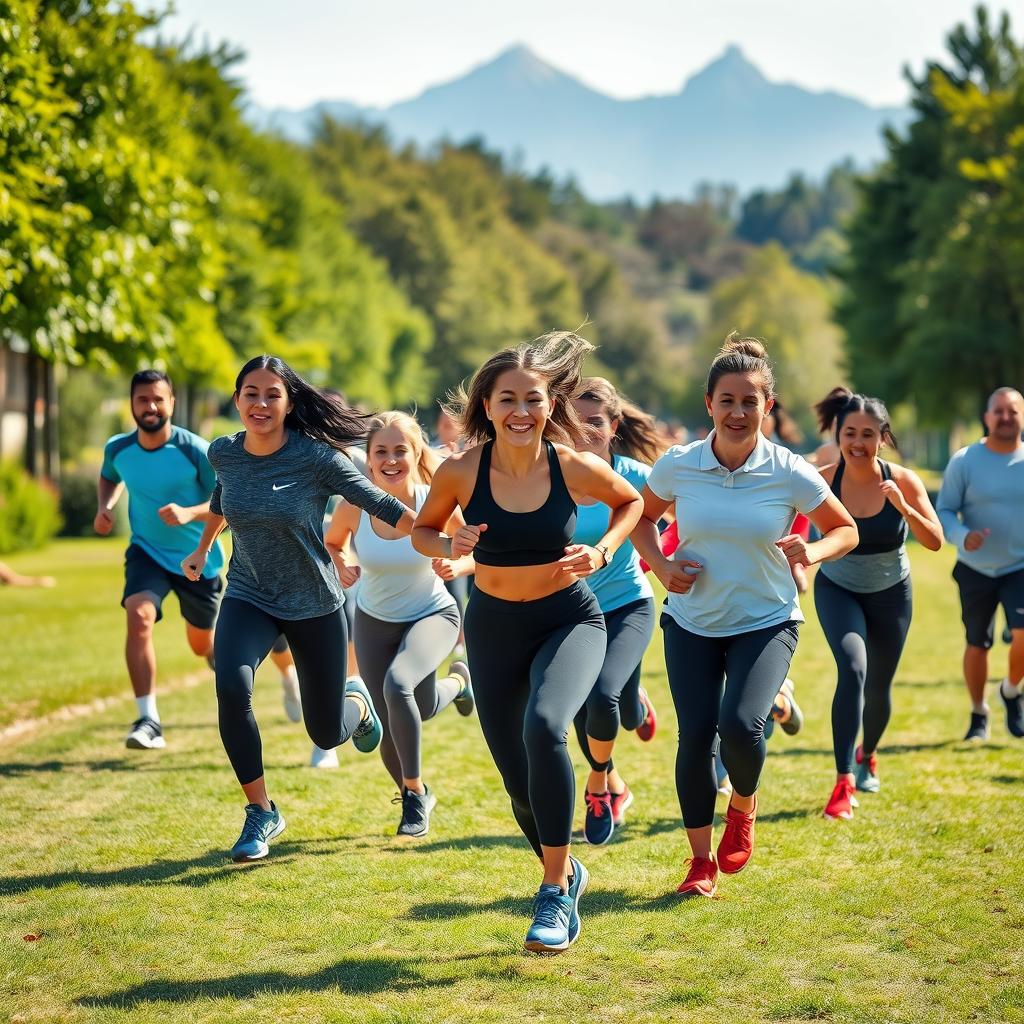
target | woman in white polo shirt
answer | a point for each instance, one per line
(731, 615)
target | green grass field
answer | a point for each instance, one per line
(116, 860)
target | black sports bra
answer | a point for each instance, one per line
(885, 530)
(521, 538)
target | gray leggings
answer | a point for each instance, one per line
(398, 662)
(866, 633)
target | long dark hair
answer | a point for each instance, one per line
(840, 402)
(637, 434)
(314, 413)
(557, 357)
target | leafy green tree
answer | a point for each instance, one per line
(934, 299)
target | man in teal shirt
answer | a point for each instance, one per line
(981, 508)
(169, 481)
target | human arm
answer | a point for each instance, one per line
(179, 515)
(838, 530)
(949, 507)
(907, 494)
(337, 540)
(587, 474)
(453, 568)
(108, 493)
(192, 566)
(673, 574)
(429, 536)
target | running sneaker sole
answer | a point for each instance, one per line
(243, 859)
(688, 893)
(133, 742)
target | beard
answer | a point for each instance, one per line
(150, 425)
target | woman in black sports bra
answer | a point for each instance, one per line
(535, 636)
(863, 599)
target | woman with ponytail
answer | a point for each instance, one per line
(535, 635)
(732, 613)
(274, 479)
(625, 438)
(863, 600)
(406, 622)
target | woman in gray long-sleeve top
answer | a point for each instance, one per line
(274, 479)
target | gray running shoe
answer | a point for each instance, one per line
(416, 808)
(465, 702)
(260, 827)
(145, 734)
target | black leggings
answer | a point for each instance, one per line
(533, 664)
(615, 699)
(245, 635)
(722, 686)
(866, 633)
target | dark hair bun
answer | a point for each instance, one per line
(736, 345)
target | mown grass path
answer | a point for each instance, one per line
(116, 860)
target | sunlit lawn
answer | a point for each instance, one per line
(116, 860)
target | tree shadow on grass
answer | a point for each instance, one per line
(1008, 780)
(135, 765)
(195, 871)
(406, 846)
(886, 748)
(351, 977)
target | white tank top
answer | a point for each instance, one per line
(397, 582)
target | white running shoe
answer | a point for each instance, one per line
(290, 693)
(321, 758)
(145, 734)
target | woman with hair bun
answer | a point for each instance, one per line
(406, 622)
(732, 613)
(274, 479)
(535, 635)
(864, 599)
(625, 438)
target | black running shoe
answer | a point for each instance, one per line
(978, 732)
(145, 734)
(1014, 713)
(416, 808)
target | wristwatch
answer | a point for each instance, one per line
(603, 548)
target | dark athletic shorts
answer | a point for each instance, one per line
(199, 601)
(981, 595)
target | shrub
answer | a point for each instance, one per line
(28, 510)
(78, 502)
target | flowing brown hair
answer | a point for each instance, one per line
(557, 357)
(636, 436)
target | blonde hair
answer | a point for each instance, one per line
(637, 434)
(742, 355)
(425, 458)
(557, 357)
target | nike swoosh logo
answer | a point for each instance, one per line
(281, 487)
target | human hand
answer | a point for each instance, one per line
(581, 560)
(104, 521)
(192, 567)
(678, 577)
(175, 515)
(796, 549)
(466, 538)
(894, 495)
(975, 539)
(349, 575)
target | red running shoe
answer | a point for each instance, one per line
(701, 879)
(842, 801)
(737, 841)
(646, 729)
(621, 802)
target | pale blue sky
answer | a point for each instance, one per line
(378, 52)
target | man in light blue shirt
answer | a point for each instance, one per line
(981, 508)
(169, 480)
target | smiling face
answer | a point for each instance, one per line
(392, 457)
(738, 407)
(860, 437)
(1004, 417)
(152, 405)
(519, 407)
(262, 403)
(602, 428)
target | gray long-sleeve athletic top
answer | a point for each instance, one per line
(275, 506)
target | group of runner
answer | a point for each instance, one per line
(549, 497)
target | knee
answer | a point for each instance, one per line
(602, 709)
(325, 738)
(738, 732)
(141, 618)
(200, 640)
(541, 732)
(396, 690)
(234, 686)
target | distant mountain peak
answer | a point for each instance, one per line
(732, 72)
(520, 63)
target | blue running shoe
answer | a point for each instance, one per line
(260, 827)
(552, 910)
(599, 823)
(369, 732)
(465, 702)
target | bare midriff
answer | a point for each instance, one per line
(523, 582)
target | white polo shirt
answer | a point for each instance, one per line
(729, 522)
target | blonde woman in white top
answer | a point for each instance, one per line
(406, 622)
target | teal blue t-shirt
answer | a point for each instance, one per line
(177, 472)
(621, 581)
